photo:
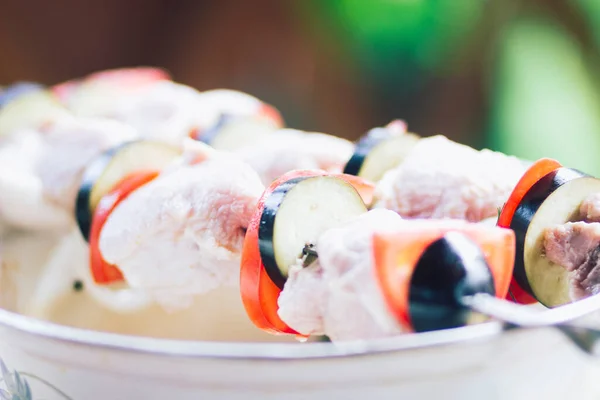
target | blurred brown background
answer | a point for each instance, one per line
(474, 70)
(257, 46)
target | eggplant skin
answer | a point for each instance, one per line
(83, 210)
(525, 211)
(361, 152)
(266, 230)
(449, 269)
(355, 163)
(16, 90)
(211, 133)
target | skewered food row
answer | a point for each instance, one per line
(180, 192)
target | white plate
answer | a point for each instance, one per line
(468, 363)
(476, 362)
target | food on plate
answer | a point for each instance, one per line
(259, 291)
(14, 91)
(444, 179)
(296, 212)
(40, 169)
(115, 164)
(533, 174)
(162, 109)
(28, 108)
(180, 234)
(47, 277)
(381, 150)
(287, 150)
(242, 120)
(553, 212)
(372, 275)
(94, 93)
(427, 268)
(142, 97)
(253, 131)
(102, 271)
(160, 189)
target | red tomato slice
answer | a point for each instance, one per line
(396, 254)
(103, 272)
(259, 293)
(270, 112)
(537, 171)
(63, 90)
(129, 77)
(364, 188)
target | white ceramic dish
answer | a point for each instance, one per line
(469, 363)
(476, 362)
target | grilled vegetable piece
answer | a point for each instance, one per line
(103, 272)
(242, 120)
(554, 199)
(29, 109)
(258, 288)
(234, 132)
(296, 213)
(14, 91)
(380, 150)
(111, 167)
(426, 268)
(534, 173)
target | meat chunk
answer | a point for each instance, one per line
(163, 110)
(590, 208)
(232, 102)
(576, 247)
(444, 179)
(181, 234)
(289, 149)
(40, 169)
(338, 294)
(69, 146)
(23, 203)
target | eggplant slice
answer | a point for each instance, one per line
(16, 90)
(112, 166)
(233, 132)
(295, 215)
(450, 269)
(29, 109)
(378, 152)
(554, 199)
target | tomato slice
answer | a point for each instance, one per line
(103, 272)
(64, 90)
(269, 112)
(259, 293)
(397, 253)
(129, 77)
(364, 187)
(536, 171)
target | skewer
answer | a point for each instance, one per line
(520, 317)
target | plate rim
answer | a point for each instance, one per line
(197, 349)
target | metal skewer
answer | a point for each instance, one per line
(519, 317)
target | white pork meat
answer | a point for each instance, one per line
(444, 179)
(233, 102)
(162, 110)
(181, 235)
(576, 247)
(289, 149)
(338, 295)
(40, 169)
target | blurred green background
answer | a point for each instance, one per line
(513, 75)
